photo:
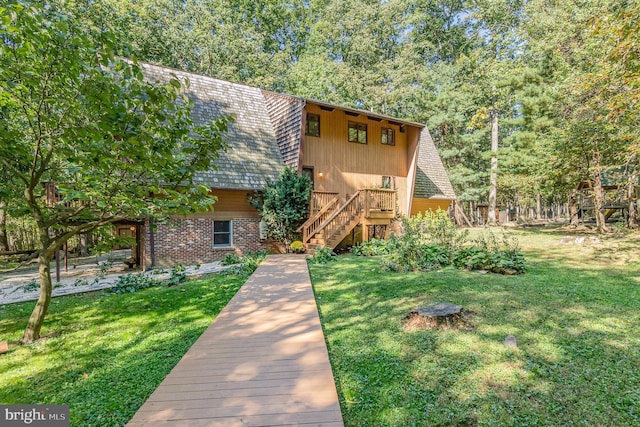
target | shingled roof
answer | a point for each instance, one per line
(432, 181)
(286, 116)
(265, 134)
(252, 157)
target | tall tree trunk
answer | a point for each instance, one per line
(34, 325)
(32, 331)
(598, 195)
(573, 208)
(632, 220)
(4, 238)
(538, 206)
(493, 178)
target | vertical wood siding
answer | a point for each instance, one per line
(347, 167)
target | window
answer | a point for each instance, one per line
(388, 136)
(358, 132)
(387, 182)
(312, 126)
(222, 232)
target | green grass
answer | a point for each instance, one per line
(575, 314)
(105, 354)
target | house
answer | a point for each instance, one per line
(365, 168)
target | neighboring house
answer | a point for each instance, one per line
(365, 168)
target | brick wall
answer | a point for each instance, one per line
(190, 241)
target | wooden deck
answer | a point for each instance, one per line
(262, 362)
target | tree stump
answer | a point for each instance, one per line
(435, 315)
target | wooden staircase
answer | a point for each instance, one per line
(330, 224)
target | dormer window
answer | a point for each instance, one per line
(312, 126)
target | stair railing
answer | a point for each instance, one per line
(353, 208)
(310, 227)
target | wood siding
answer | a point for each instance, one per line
(231, 204)
(346, 167)
(423, 205)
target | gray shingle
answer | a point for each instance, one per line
(252, 157)
(286, 116)
(432, 181)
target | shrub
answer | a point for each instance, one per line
(247, 264)
(178, 275)
(488, 253)
(427, 243)
(284, 205)
(434, 228)
(374, 247)
(134, 282)
(231, 259)
(421, 257)
(432, 241)
(322, 255)
(297, 247)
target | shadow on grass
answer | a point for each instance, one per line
(577, 355)
(105, 354)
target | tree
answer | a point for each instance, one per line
(77, 117)
(284, 205)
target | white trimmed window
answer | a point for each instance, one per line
(222, 234)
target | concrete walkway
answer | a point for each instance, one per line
(262, 362)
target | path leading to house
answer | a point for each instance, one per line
(262, 362)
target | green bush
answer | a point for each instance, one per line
(433, 228)
(488, 253)
(246, 264)
(231, 259)
(134, 282)
(284, 205)
(178, 275)
(431, 241)
(421, 257)
(374, 247)
(322, 255)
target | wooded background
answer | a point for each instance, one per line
(559, 79)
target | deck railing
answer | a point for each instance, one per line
(328, 217)
(379, 200)
(320, 199)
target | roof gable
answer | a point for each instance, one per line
(432, 181)
(252, 157)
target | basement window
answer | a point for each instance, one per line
(222, 234)
(312, 126)
(358, 132)
(388, 136)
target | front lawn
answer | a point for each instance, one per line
(105, 354)
(575, 315)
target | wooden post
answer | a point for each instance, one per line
(366, 204)
(57, 256)
(365, 233)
